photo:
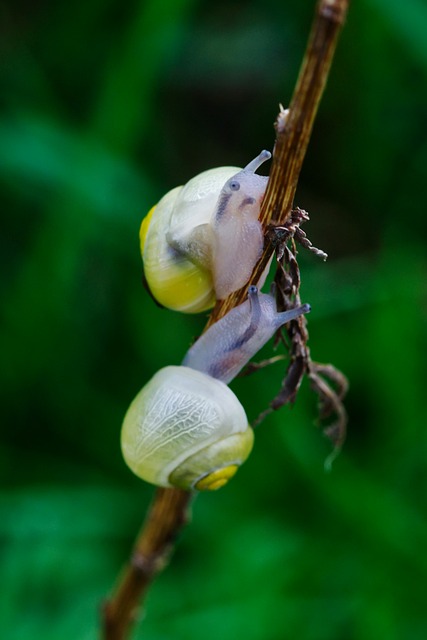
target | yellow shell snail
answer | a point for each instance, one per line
(186, 428)
(201, 241)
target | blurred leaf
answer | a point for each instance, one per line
(60, 550)
(409, 23)
(54, 157)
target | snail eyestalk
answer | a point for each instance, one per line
(255, 164)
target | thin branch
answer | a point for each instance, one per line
(168, 511)
(166, 517)
(293, 130)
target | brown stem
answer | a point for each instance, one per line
(168, 511)
(293, 130)
(166, 517)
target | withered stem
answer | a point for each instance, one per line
(293, 130)
(153, 546)
(167, 513)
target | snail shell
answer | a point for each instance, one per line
(201, 241)
(186, 429)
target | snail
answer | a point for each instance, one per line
(202, 240)
(186, 428)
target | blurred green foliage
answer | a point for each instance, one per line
(105, 106)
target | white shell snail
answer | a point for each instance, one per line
(201, 241)
(186, 428)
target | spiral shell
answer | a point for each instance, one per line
(202, 240)
(175, 280)
(185, 429)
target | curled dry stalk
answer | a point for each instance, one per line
(328, 383)
(168, 511)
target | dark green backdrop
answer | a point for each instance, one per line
(105, 106)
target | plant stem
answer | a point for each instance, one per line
(165, 518)
(293, 130)
(168, 512)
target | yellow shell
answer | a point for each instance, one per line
(216, 479)
(144, 228)
(175, 280)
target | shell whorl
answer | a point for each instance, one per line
(177, 414)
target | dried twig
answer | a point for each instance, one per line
(327, 382)
(166, 516)
(168, 511)
(293, 129)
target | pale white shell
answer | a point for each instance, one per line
(195, 203)
(179, 412)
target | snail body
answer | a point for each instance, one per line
(232, 341)
(186, 428)
(201, 241)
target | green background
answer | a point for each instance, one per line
(105, 107)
